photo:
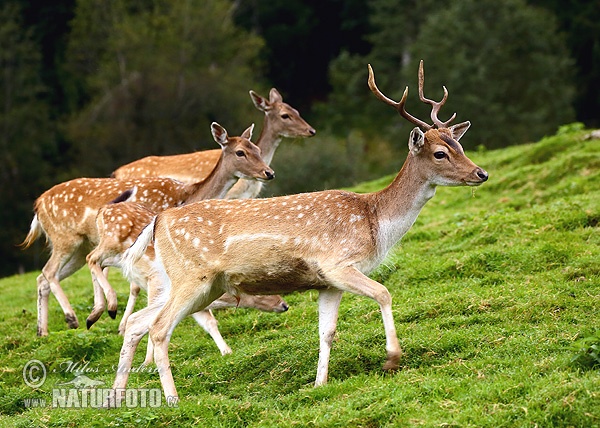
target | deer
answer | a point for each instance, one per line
(280, 121)
(328, 241)
(119, 223)
(66, 213)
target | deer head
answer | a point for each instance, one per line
(247, 160)
(284, 120)
(437, 144)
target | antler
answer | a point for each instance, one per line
(435, 105)
(397, 105)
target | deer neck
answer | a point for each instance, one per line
(215, 186)
(268, 141)
(395, 208)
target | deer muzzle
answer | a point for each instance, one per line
(269, 175)
(480, 176)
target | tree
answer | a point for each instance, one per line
(302, 37)
(351, 109)
(158, 73)
(27, 138)
(504, 63)
(580, 22)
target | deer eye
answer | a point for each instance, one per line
(240, 153)
(439, 155)
(285, 116)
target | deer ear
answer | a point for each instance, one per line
(416, 140)
(259, 102)
(275, 96)
(459, 129)
(247, 134)
(219, 134)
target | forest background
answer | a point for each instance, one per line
(88, 85)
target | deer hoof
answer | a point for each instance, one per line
(112, 314)
(392, 363)
(72, 321)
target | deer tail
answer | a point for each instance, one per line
(35, 231)
(138, 249)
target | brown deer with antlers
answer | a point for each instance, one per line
(66, 213)
(328, 241)
(281, 121)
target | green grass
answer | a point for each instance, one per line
(496, 301)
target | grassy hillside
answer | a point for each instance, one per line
(496, 301)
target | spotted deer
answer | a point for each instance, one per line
(281, 121)
(67, 212)
(328, 241)
(119, 223)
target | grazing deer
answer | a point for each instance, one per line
(328, 241)
(281, 120)
(119, 223)
(66, 213)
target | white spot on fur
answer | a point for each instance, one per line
(354, 218)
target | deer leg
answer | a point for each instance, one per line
(43, 287)
(93, 262)
(57, 268)
(76, 262)
(153, 293)
(99, 303)
(329, 304)
(160, 334)
(149, 352)
(134, 291)
(137, 327)
(155, 290)
(110, 293)
(182, 301)
(209, 323)
(353, 281)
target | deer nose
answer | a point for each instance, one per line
(270, 175)
(312, 132)
(482, 174)
(284, 306)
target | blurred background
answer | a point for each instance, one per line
(89, 85)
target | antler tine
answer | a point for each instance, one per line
(397, 105)
(435, 106)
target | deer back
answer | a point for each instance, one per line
(72, 206)
(188, 168)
